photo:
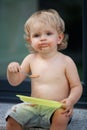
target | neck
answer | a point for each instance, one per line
(48, 55)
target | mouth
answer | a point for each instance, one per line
(43, 45)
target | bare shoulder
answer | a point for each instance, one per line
(68, 61)
(67, 58)
(70, 65)
(25, 65)
(27, 60)
(29, 57)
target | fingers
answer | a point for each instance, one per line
(64, 106)
(14, 67)
(67, 112)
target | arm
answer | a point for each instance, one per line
(14, 75)
(74, 84)
(74, 81)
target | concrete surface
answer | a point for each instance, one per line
(79, 120)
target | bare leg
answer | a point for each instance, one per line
(12, 125)
(59, 121)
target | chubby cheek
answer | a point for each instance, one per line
(34, 45)
(53, 43)
(33, 42)
(49, 44)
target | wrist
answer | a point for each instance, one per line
(71, 100)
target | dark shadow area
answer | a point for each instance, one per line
(8, 93)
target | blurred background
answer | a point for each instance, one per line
(13, 15)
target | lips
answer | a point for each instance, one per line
(43, 45)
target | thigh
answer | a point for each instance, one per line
(46, 114)
(60, 118)
(24, 114)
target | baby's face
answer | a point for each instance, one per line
(43, 37)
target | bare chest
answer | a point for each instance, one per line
(49, 71)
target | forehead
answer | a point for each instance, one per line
(41, 26)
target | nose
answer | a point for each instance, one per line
(43, 37)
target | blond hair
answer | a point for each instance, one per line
(51, 17)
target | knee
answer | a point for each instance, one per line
(11, 124)
(11, 121)
(59, 119)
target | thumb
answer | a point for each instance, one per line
(63, 101)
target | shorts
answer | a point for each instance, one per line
(29, 115)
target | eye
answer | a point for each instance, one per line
(49, 33)
(36, 35)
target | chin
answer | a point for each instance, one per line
(45, 50)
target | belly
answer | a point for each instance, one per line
(56, 93)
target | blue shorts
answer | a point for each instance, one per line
(29, 115)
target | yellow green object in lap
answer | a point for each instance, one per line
(40, 101)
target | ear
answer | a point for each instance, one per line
(60, 37)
